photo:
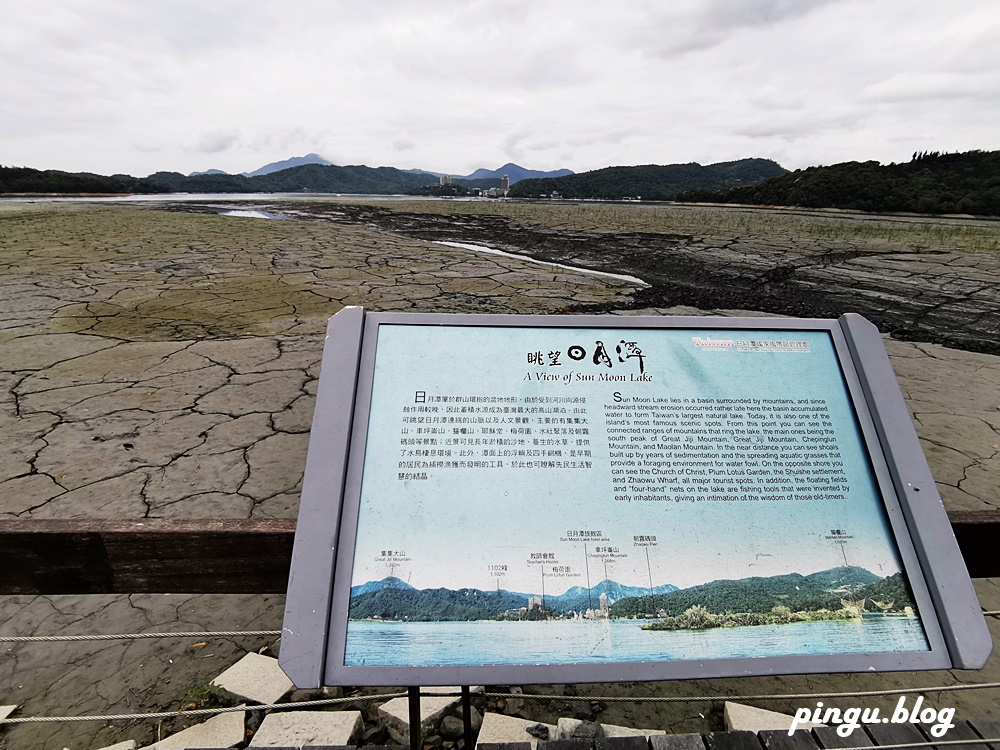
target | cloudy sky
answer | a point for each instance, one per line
(135, 87)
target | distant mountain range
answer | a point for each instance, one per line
(432, 605)
(295, 161)
(277, 166)
(310, 173)
(931, 182)
(514, 171)
(575, 599)
(649, 182)
(317, 177)
(386, 583)
(307, 178)
(822, 590)
(391, 598)
(579, 599)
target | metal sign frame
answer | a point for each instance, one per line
(315, 625)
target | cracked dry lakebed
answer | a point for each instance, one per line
(160, 360)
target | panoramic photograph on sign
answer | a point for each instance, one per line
(536, 496)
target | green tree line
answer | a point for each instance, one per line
(697, 617)
(316, 178)
(761, 595)
(434, 605)
(649, 182)
(930, 183)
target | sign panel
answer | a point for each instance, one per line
(617, 498)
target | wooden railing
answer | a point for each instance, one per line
(97, 556)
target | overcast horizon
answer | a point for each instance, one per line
(114, 87)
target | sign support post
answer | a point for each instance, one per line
(467, 716)
(413, 698)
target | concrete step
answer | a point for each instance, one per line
(740, 717)
(499, 729)
(297, 728)
(255, 678)
(222, 731)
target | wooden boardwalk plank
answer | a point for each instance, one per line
(961, 731)
(780, 739)
(637, 742)
(894, 734)
(572, 744)
(677, 742)
(137, 557)
(732, 741)
(988, 729)
(827, 737)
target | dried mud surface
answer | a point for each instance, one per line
(157, 365)
(898, 277)
(163, 364)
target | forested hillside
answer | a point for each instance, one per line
(821, 590)
(967, 183)
(25, 180)
(313, 178)
(649, 182)
(431, 605)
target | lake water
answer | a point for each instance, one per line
(259, 197)
(583, 641)
(578, 269)
(254, 214)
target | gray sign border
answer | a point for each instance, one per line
(314, 633)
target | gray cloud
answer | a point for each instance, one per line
(799, 124)
(933, 86)
(115, 86)
(214, 142)
(668, 30)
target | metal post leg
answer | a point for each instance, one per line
(467, 716)
(413, 696)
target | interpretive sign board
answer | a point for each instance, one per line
(544, 499)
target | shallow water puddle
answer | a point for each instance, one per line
(526, 259)
(254, 214)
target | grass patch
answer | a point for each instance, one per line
(205, 696)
